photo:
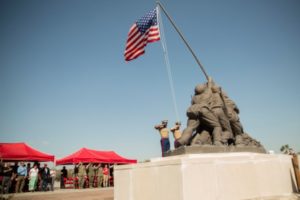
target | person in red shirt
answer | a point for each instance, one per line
(105, 176)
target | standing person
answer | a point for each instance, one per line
(105, 176)
(45, 174)
(111, 175)
(1, 167)
(1, 173)
(95, 169)
(91, 174)
(81, 175)
(52, 178)
(164, 133)
(14, 177)
(40, 181)
(75, 170)
(27, 178)
(176, 132)
(6, 179)
(22, 173)
(33, 178)
(63, 175)
(100, 175)
(75, 176)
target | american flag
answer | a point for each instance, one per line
(142, 32)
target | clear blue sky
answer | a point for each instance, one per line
(64, 83)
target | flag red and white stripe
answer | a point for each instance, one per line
(141, 33)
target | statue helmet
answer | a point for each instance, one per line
(215, 88)
(200, 88)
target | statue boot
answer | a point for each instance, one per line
(227, 138)
(217, 136)
(239, 142)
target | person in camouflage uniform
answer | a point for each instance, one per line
(81, 175)
(91, 174)
(100, 175)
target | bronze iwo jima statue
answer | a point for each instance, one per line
(213, 123)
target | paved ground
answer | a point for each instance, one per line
(96, 194)
(66, 194)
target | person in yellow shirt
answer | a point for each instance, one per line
(176, 132)
(164, 133)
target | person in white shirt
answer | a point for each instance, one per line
(33, 177)
(52, 176)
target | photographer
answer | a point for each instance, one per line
(176, 132)
(164, 133)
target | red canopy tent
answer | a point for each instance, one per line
(22, 151)
(88, 155)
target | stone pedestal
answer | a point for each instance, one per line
(210, 176)
(213, 149)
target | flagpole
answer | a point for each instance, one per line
(167, 61)
(185, 42)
